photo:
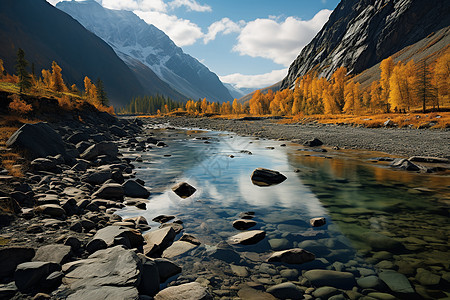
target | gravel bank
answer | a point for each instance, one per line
(395, 141)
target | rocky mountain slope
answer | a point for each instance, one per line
(46, 34)
(134, 39)
(361, 33)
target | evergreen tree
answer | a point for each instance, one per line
(101, 93)
(425, 91)
(22, 73)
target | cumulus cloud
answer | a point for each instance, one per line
(280, 42)
(191, 5)
(142, 5)
(224, 26)
(254, 81)
(183, 32)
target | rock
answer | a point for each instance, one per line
(183, 190)
(175, 226)
(158, 240)
(266, 177)
(248, 293)
(88, 224)
(96, 244)
(317, 222)
(150, 279)
(166, 268)
(114, 266)
(191, 291)
(429, 159)
(98, 177)
(133, 189)
(313, 143)
(286, 290)
(56, 253)
(163, 218)
(396, 282)
(111, 191)
(7, 291)
(388, 123)
(325, 292)
(292, 256)
(225, 253)
(178, 248)
(73, 243)
(190, 238)
(103, 148)
(427, 278)
(43, 164)
(381, 296)
(248, 215)
(279, 244)
(379, 241)
(78, 137)
(38, 140)
(240, 271)
(53, 280)
(243, 224)
(290, 274)
(52, 210)
(247, 238)
(370, 282)
(343, 280)
(11, 257)
(110, 233)
(105, 293)
(31, 275)
(405, 164)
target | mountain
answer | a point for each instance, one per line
(46, 34)
(274, 87)
(131, 37)
(361, 33)
(236, 92)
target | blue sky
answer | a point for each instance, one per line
(249, 43)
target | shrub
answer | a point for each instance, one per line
(19, 106)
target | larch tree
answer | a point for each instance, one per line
(386, 67)
(46, 78)
(352, 98)
(338, 79)
(57, 80)
(377, 104)
(2, 69)
(441, 78)
(424, 90)
(24, 77)
(204, 105)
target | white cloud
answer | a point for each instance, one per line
(190, 5)
(254, 81)
(279, 41)
(182, 32)
(224, 26)
(142, 5)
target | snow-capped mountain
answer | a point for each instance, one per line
(236, 92)
(134, 39)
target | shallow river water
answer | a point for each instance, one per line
(378, 218)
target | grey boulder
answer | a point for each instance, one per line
(135, 190)
(191, 291)
(292, 256)
(103, 148)
(266, 177)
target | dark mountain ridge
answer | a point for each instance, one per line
(361, 33)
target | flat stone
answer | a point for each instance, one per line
(105, 293)
(381, 296)
(370, 282)
(191, 291)
(110, 191)
(240, 271)
(325, 292)
(110, 233)
(292, 256)
(279, 244)
(163, 218)
(175, 226)
(266, 177)
(381, 242)
(286, 290)
(343, 280)
(290, 274)
(11, 257)
(190, 238)
(427, 278)
(52, 210)
(56, 253)
(247, 238)
(183, 189)
(178, 248)
(248, 293)
(98, 177)
(396, 282)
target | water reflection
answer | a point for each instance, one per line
(369, 207)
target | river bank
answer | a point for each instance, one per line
(403, 142)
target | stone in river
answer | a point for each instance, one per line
(279, 244)
(163, 218)
(427, 278)
(133, 189)
(396, 282)
(317, 222)
(290, 274)
(247, 238)
(102, 148)
(313, 143)
(266, 177)
(175, 226)
(178, 248)
(286, 290)
(191, 291)
(248, 293)
(240, 271)
(158, 240)
(343, 280)
(379, 241)
(190, 238)
(166, 268)
(183, 189)
(292, 256)
(325, 292)
(243, 224)
(110, 233)
(370, 282)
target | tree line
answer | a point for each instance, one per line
(52, 80)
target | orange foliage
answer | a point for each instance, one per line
(19, 106)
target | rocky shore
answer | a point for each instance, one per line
(394, 141)
(61, 239)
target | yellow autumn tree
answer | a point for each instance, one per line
(204, 105)
(237, 107)
(352, 98)
(47, 78)
(90, 92)
(441, 78)
(338, 79)
(256, 103)
(57, 80)
(386, 67)
(377, 103)
(225, 108)
(2, 69)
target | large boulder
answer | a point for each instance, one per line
(166, 268)
(11, 257)
(191, 291)
(266, 177)
(112, 267)
(111, 191)
(56, 253)
(53, 210)
(178, 248)
(38, 140)
(133, 189)
(292, 256)
(97, 177)
(103, 148)
(158, 240)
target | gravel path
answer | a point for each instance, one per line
(404, 142)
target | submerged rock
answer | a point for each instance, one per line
(247, 238)
(286, 290)
(266, 177)
(396, 282)
(243, 224)
(191, 291)
(183, 189)
(292, 256)
(317, 222)
(343, 280)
